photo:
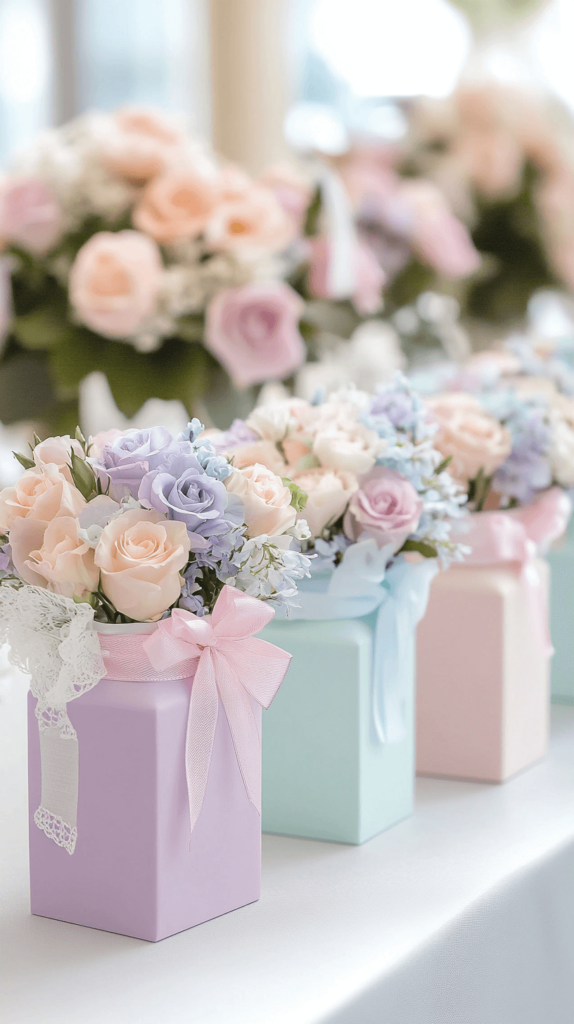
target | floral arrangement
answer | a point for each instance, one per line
(506, 444)
(141, 522)
(126, 247)
(502, 157)
(367, 465)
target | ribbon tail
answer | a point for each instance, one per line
(201, 723)
(243, 728)
(396, 623)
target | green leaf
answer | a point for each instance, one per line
(298, 497)
(40, 329)
(83, 476)
(24, 460)
(314, 209)
(422, 546)
(443, 465)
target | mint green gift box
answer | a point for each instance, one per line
(338, 740)
(561, 561)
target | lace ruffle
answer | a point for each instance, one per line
(56, 829)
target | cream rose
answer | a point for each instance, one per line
(41, 494)
(114, 282)
(141, 555)
(176, 205)
(562, 449)
(267, 500)
(328, 494)
(347, 446)
(471, 436)
(64, 561)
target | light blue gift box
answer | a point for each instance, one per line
(562, 618)
(338, 740)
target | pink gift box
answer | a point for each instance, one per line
(135, 869)
(482, 674)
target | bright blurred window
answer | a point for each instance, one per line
(25, 106)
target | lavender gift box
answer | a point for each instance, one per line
(135, 870)
(145, 790)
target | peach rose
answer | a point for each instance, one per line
(140, 145)
(176, 205)
(114, 282)
(141, 555)
(253, 222)
(64, 561)
(98, 441)
(57, 450)
(267, 501)
(328, 494)
(474, 438)
(263, 452)
(40, 494)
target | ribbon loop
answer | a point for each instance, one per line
(232, 666)
(360, 586)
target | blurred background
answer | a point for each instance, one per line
(423, 151)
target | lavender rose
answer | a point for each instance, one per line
(186, 493)
(125, 460)
(385, 507)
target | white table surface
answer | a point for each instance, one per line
(466, 906)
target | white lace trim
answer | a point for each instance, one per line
(53, 640)
(56, 829)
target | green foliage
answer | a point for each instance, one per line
(313, 216)
(408, 284)
(24, 461)
(298, 497)
(508, 233)
(423, 548)
(83, 476)
(478, 490)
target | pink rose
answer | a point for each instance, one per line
(64, 561)
(439, 238)
(254, 331)
(267, 501)
(386, 507)
(177, 204)
(99, 440)
(29, 215)
(140, 144)
(252, 222)
(141, 555)
(328, 494)
(471, 436)
(368, 274)
(114, 282)
(291, 190)
(40, 494)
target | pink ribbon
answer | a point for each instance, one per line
(516, 535)
(232, 666)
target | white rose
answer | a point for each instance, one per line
(267, 501)
(562, 450)
(328, 494)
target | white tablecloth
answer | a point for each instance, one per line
(462, 915)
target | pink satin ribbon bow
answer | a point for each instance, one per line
(234, 666)
(515, 536)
